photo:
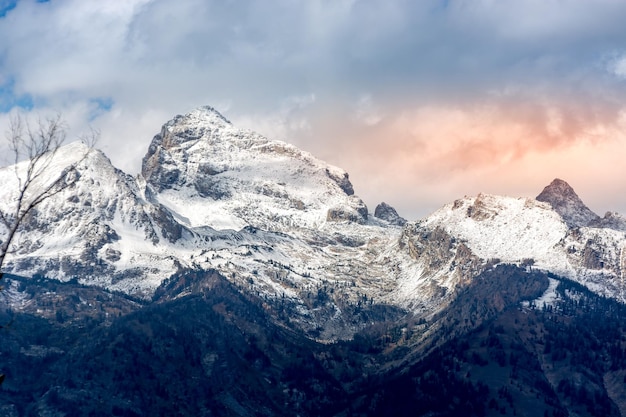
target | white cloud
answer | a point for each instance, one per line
(618, 67)
(288, 121)
(297, 70)
(367, 112)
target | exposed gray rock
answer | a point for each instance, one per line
(341, 214)
(561, 196)
(161, 166)
(436, 249)
(592, 258)
(356, 212)
(170, 228)
(385, 212)
(611, 220)
(481, 210)
(342, 181)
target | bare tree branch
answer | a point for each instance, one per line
(38, 147)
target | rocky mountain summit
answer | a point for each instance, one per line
(227, 178)
(566, 202)
(523, 231)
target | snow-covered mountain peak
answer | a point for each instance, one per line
(65, 156)
(210, 173)
(73, 151)
(564, 200)
(201, 124)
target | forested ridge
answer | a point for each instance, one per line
(204, 347)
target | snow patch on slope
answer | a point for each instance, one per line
(511, 229)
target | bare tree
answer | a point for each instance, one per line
(34, 150)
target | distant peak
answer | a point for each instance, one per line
(559, 186)
(385, 212)
(558, 191)
(564, 200)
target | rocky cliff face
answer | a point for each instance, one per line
(385, 212)
(561, 196)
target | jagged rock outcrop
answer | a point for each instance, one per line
(355, 211)
(561, 196)
(611, 220)
(389, 214)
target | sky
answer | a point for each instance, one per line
(421, 102)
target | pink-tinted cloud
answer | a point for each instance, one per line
(427, 155)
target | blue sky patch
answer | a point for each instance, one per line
(6, 6)
(99, 105)
(9, 100)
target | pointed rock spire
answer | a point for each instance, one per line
(385, 212)
(564, 200)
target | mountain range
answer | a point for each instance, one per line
(250, 275)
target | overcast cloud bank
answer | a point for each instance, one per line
(422, 102)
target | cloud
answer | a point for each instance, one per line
(247, 51)
(422, 91)
(286, 122)
(426, 155)
(367, 111)
(617, 66)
